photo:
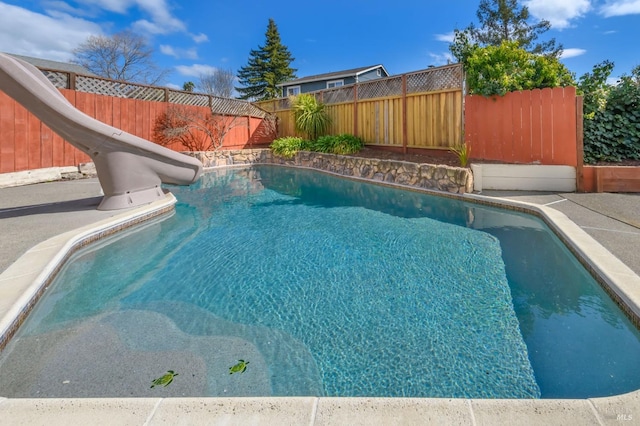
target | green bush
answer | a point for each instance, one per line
(496, 70)
(287, 147)
(612, 130)
(341, 144)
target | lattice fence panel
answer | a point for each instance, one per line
(118, 89)
(235, 107)
(186, 98)
(282, 104)
(338, 95)
(145, 93)
(380, 88)
(435, 79)
(59, 79)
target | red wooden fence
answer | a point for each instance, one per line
(529, 127)
(26, 143)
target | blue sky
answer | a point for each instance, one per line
(191, 37)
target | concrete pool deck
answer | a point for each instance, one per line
(32, 219)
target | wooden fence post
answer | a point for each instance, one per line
(71, 84)
(355, 110)
(404, 114)
(579, 144)
(249, 131)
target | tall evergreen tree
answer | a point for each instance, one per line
(500, 21)
(267, 67)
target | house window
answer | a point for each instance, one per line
(293, 90)
(335, 83)
(378, 72)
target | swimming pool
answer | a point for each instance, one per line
(266, 229)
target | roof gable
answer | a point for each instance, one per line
(54, 65)
(333, 75)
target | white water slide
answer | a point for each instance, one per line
(130, 169)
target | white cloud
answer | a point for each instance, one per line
(21, 32)
(195, 70)
(200, 38)
(179, 53)
(572, 53)
(620, 8)
(441, 58)
(161, 20)
(60, 6)
(559, 13)
(445, 37)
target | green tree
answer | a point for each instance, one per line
(268, 66)
(188, 86)
(500, 21)
(594, 88)
(496, 70)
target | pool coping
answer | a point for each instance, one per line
(32, 272)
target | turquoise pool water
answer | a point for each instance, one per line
(327, 287)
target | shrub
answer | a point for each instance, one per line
(496, 70)
(341, 144)
(612, 132)
(310, 116)
(287, 147)
(347, 144)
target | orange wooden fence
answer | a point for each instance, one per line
(26, 143)
(530, 127)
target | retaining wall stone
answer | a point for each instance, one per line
(436, 177)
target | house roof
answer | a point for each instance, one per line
(54, 65)
(332, 75)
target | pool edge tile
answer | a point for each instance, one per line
(619, 409)
(77, 411)
(247, 410)
(533, 412)
(374, 411)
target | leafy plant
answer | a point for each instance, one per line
(288, 146)
(496, 70)
(338, 144)
(594, 88)
(310, 116)
(612, 133)
(341, 144)
(463, 152)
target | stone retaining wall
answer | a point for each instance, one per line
(440, 178)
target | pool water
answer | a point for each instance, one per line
(327, 287)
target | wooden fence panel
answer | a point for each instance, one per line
(21, 132)
(7, 124)
(26, 143)
(380, 121)
(434, 120)
(531, 127)
(341, 118)
(34, 144)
